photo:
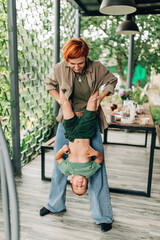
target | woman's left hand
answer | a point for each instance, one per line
(98, 99)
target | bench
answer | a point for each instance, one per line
(47, 145)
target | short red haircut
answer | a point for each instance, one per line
(75, 48)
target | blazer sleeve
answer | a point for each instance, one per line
(106, 78)
(51, 82)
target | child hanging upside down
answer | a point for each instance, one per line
(79, 131)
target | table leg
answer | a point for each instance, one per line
(146, 136)
(105, 135)
(150, 171)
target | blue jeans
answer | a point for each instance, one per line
(100, 205)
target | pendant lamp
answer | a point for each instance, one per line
(117, 7)
(128, 27)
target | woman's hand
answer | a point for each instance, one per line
(66, 149)
(98, 99)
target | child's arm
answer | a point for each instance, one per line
(59, 154)
(92, 152)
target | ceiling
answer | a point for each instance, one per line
(91, 7)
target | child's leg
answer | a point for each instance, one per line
(92, 102)
(66, 106)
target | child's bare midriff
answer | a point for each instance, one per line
(77, 150)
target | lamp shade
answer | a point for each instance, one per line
(117, 7)
(128, 27)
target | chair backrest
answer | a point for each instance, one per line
(9, 194)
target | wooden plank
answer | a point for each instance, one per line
(50, 142)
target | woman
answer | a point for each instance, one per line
(79, 77)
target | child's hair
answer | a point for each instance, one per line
(75, 48)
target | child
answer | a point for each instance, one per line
(79, 131)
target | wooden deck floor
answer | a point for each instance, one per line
(135, 217)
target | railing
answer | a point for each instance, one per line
(9, 195)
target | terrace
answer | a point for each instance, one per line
(29, 122)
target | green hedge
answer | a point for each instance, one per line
(155, 111)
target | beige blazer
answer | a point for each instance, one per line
(97, 75)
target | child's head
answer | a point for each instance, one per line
(79, 184)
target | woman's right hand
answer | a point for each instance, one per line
(65, 149)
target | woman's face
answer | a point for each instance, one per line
(77, 64)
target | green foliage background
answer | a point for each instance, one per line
(155, 110)
(35, 59)
(112, 49)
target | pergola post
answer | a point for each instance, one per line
(78, 23)
(130, 62)
(56, 45)
(13, 61)
(56, 31)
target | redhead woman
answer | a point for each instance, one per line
(79, 77)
